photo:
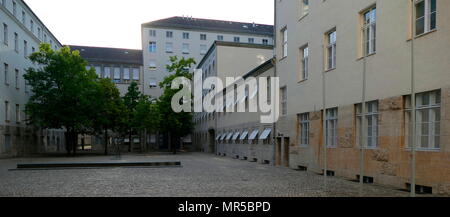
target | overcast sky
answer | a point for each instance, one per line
(116, 23)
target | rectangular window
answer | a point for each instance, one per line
(32, 26)
(126, 74)
(304, 7)
(6, 69)
(169, 34)
(107, 73)
(331, 50)
(16, 42)
(304, 129)
(136, 74)
(203, 49)
(169, 47)
(152, 65)
(305, 63)
(24, 17)
(152, 47)
(369, 31)
(25, 49)
(265, 42)
(18, 118)
(45, 38)
(185, 49)
(237, 39)
(331, 127)
(185, 35)
(39, 33)
(428, 120)
(7, 111)
(5, 33)
(425, 16)
(152, 33)
(283, 101)
(153, 83)
(220, 38)
(14, 8)
(251, 40)
(116, 74)
(16, 78)
(203, 37)
(371, 125)
(284, 38)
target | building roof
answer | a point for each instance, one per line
(110, 55)
(230, 44)
(211, 25)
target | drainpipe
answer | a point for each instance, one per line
(413, 105)
(275, 133)
(324, 129)
(362, 143)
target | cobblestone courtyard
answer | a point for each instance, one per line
(200, 175)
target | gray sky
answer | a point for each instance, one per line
(116, 23)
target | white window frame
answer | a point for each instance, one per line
(371, 124)
(369, 33)
(5, 34)
(331, 49)
(304, 7)
(185, 48)
(169, 47)
(152, 47)
(427, 17)
(304, 124)
(283, 101)
(284, 45)
(169, 34)
(16, 78)
(331, 127)
(305, 62)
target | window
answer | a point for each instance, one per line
(45, 38)
(14, 8)
(6, 69)
(18, 119)
(16, 42)
(371, 125)
(285, 42)
(5, 33)
(153, 83)
(185, 35)
(237, 39)
(428, 120)
(283, 101)
(331, 50)
(39, 33)
(220, 38)
(425, 16)
(203, 37)
(331, 127)
(98, 70)
(304, 7)
(32, 26)
(33, 50)
(25, 49)
(152, 47)
(136, 74)
(305, 63)
(152, 33)
(304, 129)
(152, 65)
(126, 74)
(116, 74)
(169, 47)
(169, 34)
(108, 72)
(24, 17)
(16, 78)
(185, 48)
(251, 40)
(6, 111)
(203, 49)
(369, 31)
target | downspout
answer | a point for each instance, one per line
(275, 133)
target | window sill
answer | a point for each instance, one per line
(303, 146)
(425, 149)
(329, 70)
(423, 34)
(302, 81)
(282, 58)
(302, 17)
(367, 56)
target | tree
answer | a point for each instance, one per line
(175, 124)
(63, 92)
(146, 116)
(110, 109)
(131, 99)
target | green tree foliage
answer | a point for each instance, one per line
(175, 124)
(131, 100)
(63, 92)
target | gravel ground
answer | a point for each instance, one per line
(200, 175)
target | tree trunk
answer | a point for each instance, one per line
(106, 141)
(74, 138)
(68, 144)
(129, 144)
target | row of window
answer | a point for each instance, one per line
(244, 136)
(118, 74)
(28, 22)
(19, 114)
(203, 37)
(26, 50)
(428, 116)
(7, 71)
(425, 21)
(169, 48)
